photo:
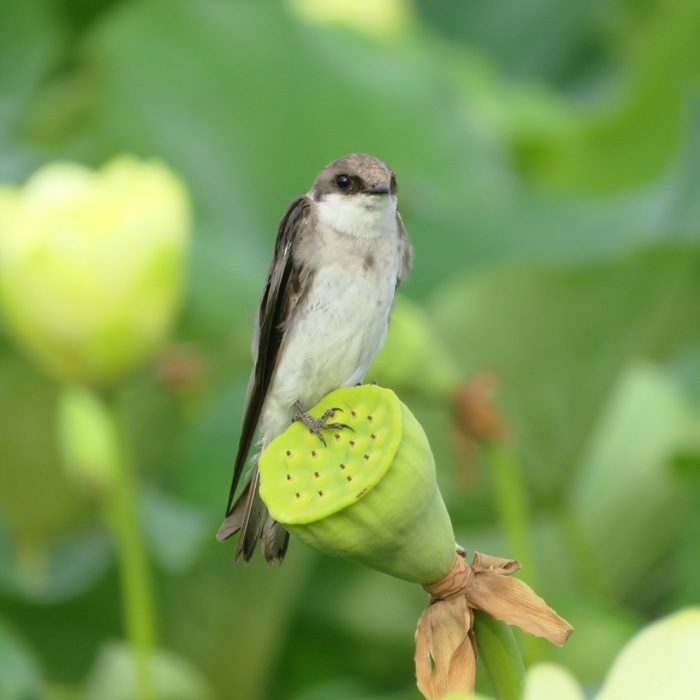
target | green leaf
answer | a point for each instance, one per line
(204, 459)
(568, 48)
(19, 670)
(53, 570)
(51, 545)
(632, 136)
(31, 36)
(625, 490)
(175, 530)
(114, 677)
(557, 339)
(600, 633)
(35, 497)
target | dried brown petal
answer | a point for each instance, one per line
(516, 603)
(486, 562)
(445, 648)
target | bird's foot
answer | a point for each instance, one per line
(316, 425)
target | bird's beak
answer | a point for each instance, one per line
(378, 189)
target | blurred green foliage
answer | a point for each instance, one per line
(548, 155)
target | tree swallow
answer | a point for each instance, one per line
(341, 252)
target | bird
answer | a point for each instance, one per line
(340, 255)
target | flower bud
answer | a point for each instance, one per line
(660, 662)
(414, 356)
(87, 439)
(370, 495)
(91, 265)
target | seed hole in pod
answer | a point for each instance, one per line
(366, 456)
(352, 443)
(297, 494)
(373, 436)
(289, 453)
(370, 418)
(316, 474)
(289, 477)
(349, 478)
(320, 493)
(353, 413)
(342, 466)
(337, 436)
(313, 453)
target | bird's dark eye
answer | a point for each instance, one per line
(343, 182)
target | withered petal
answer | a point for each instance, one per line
(445, 650)
(514, 602)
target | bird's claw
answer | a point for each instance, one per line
(316, 425)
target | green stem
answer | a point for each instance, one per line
(513, 506)
(586, 559)
(500, 655)
(514, 514)
(121, 509)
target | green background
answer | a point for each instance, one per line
(548, 159)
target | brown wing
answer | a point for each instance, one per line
(406, 252)
(284, 287)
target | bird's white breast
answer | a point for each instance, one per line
(342, 321)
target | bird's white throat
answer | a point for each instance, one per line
(358, 215)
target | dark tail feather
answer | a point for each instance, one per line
(249, 516)
(275, 540)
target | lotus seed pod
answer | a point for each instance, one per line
(370, 495)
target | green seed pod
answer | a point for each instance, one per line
(370, 494)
